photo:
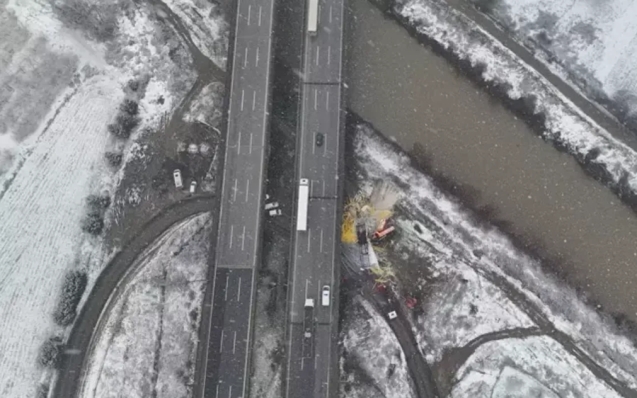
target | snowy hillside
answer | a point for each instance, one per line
(65, 68)
(491, 322)
(595, 42)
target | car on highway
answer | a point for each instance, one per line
(193, 187)
(325, 296)
(309, 313)
(177, 177)
(320, 139)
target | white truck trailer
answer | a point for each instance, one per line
(312, 17)
(302, 201)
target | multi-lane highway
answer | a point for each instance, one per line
(227, 328)
(312, 363)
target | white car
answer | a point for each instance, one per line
(193, 186)
(270, 206)
(177, 177)
(392, 315)
(275, 212)
(325, 296)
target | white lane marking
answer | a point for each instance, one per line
(318, 290)
(239, 144)
(247, 188)
(260, 9)
(315, 98)
(302, 362)
(230, 392)
(323, 188)
(324, 153)
(312, 187)
(329, 54)
(243, 93)
(309, 239)
(250, 143)
(221, 343)
(243, 238)
(231, 233)
(330, 14)
(313, 152)
(307, 282)
(257, 60)
(239, 291)
(317, 55)
(249, 12)
(217, 392)
(321, 242)
(327, 100)
(245, 58)
(315, 360)
(225, 290)
(254, 99)
(234, 342)
(234, 190)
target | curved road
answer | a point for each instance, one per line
(78, 344)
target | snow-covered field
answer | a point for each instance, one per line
(564, 123)
(59, 89)
(485, 303)
(595, 41)
(147, 345)
(374, 364)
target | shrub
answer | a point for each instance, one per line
(93, 224)
(98, 202)
(42, 391)
(49, 355)
(113, 158)
(72, 291)
(129, 107)
(126, 124)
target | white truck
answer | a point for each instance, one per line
(302, 201)
(312, 17)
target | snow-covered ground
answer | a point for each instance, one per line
(479, 292)
(59, 89)
(374, 364)
(147, 346)
(564, 123)
(594, 40)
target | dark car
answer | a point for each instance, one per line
(319, 139)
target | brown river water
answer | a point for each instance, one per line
(416, 97)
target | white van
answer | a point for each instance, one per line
(177, 177)
(325, 296)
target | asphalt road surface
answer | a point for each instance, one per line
(312, 363)
(228, 324)
(78, 345)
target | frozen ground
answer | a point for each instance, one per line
(147, 345)
(594, 41)
(563, 123)
(373, 364)
(59, 89)
(484, 304)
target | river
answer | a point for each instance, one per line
(542, 195)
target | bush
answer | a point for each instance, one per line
(49, 355)
(42, 391)
(72, 291)
(129, 107)
(98, 202)
(93, 224)
(113, 158)
(126, 124)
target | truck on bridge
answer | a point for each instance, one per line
(302, 203)
(312, 17)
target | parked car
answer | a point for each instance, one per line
(270, 206)
(325, 296)
(275, 212)
(193, 186)
(177, 177)
(320, 139)
(392, 315)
